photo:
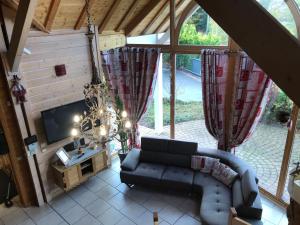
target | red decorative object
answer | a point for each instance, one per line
(60, 70)
(18, 90)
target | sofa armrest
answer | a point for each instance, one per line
(132, 160)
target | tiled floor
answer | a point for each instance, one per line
(103, 200)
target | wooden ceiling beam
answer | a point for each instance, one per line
(264, 39)
(13, 4)
(140, 16)
(165, 20)
(158, 13)
(52, 11)
(128, 14)
(24, 17)
(83, 15)
(109, 15)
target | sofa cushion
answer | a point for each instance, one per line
(216, 201)
(154, 144)
(251, 212)
(224, 173)
(249, 188)
(203, 163)
(178, 177)
(182, 147)
(166, 158)
(145, 173)
(132, 160)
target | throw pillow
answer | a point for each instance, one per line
(203, 163)
(224, 173)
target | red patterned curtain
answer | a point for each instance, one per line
(131, 73)
(250, 93)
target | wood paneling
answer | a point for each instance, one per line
(45, 90)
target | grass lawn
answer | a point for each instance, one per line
(184, 111)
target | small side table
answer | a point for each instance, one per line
(293, 212)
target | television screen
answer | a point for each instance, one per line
(58, 121)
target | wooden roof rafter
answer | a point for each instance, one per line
(13, 4)
(53, 9)
(158, 13)
(140, 16)
(83, 15)
(128, 13)
(108, 15)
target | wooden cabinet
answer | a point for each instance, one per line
(70, 177)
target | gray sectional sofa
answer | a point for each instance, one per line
(167, 163)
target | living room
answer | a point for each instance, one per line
(149, 112)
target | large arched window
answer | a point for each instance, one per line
(200, 29)
(280, 10)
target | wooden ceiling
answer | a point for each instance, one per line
(133, 17)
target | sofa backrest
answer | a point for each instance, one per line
(168, 152)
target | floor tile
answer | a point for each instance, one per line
(95, 184)
(133, 210)
(145, 218)
(137, 195)
(120, 201)
(170, 214)
(64, 223)
(84, 198)
(37, 213)
(107, 192)
(27, 222)
(123, 188)
(125, 221)
(110, 217)
(114, 180)
(97, 207)
(74, 214)
(14, 218)
(273, 215)
(284, 221)
(4, 211)
(87, 220)
(52, 218)
(62, 203)
(154, 205)
(106, 174)
(187, 220)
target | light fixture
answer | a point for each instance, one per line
(74, 132)
(103, 121)
(76, 119)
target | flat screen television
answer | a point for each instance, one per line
(58, 121)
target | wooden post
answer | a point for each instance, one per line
(173, 69)
(21, 29)
(287, 152)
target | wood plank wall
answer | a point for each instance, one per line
(45, 90)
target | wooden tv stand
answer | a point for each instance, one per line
(82, 169)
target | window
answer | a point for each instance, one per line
(265, 148)
(156, 120)
(280, 10)
(200, 29)
(189, 115)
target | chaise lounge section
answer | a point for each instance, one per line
(167, 163)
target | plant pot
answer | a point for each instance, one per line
(122, 155)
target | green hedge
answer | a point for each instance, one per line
(184, 111)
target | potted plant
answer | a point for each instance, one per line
(123, 134)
